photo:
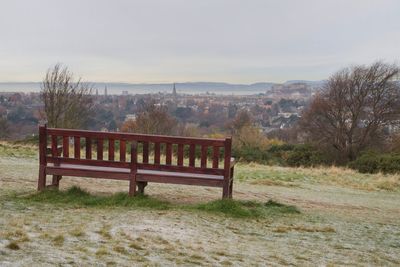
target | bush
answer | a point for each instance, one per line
(366, 163)
(279, 153)
(250, 144)
(390, 163)
(282, 154)
(372, 162)
(305, 155)
(251, 154)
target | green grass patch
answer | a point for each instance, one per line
(274, 206)
(247, 209)
(78, 197)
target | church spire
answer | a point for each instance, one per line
(174, 90)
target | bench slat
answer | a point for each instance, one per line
(89, 162)
(54, 145)
(87, 173)
(192, 155)
(185, 169)
(122, 150)
(203, 162)
(77, 147)
(111, 149)
(215, 157)
(157, 153)
(88, 148)
(137, 137)
(179, 180)
(180, 155)
(145, 166)
(168, 153)
(65, 146)
(100, 149)
(145, 152)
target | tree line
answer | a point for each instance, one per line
(356, 110)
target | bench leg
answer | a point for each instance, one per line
(56, 181)
(42, 178)
(230, 189)
(132, 185)
(141, 186)
(225, 190)
(231, 183)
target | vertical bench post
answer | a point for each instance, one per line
(42, 157)
(133, 170)
(227, 168)
(55, 153)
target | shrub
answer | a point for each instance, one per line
(372, 162)
(390, 163)
(279, 153)
(251, 154)
(305, 155)
(282, 154)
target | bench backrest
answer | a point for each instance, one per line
(154, 152)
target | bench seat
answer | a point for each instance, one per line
(140, 172)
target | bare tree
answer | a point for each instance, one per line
(67, 103)
(151, 119)
(4, 130)
(353, 108)
(242, 119)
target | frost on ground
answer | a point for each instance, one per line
(338, 224)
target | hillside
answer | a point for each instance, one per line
(321, 216)
(184, 87)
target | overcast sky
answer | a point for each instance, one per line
(195, 40)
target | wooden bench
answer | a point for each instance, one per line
(152, 158)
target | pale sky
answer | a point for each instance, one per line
(195, 40)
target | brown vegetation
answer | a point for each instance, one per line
(67, 103)
(152, 119)
(353, 109)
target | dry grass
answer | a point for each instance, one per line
(58, 240)
(303, 228)
(17, 150)
(346, 218)
(102, 252)
(104, 231)
(13, 245)
(16, 235)
(338, 176)
(77, 232)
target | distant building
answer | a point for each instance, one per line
(130, 117)
(124, 92)
(174, 91)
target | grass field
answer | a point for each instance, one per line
(280, 216)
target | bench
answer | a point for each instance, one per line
(137, 158)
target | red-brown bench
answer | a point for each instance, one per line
(152, 158)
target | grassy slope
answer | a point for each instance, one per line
(346, 218)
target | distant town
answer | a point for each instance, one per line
(278, 107)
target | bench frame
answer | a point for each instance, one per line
(52, 160)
